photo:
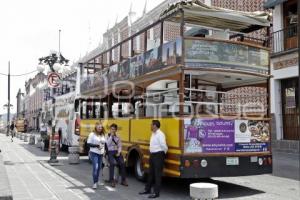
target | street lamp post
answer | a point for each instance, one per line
(54, 61)
(8, 106)
(8, 95)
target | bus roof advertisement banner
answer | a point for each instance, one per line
(136, 66)
(223, 53)
(124, 70)
(172, 53)
(113, 73)
(169, 54)
(222, 136)
(152, 60)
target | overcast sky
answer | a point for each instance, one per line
(29, 30)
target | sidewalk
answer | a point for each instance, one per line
(286, 165)
(31, 177)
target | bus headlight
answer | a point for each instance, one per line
(203, 163)
(187, 163)
(260, 161)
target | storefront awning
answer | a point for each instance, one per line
(273, 3)
(196, 12)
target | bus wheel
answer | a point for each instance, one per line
(139, 171)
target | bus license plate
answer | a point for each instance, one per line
(232, 161)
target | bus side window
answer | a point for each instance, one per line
(72, 114)
(84, 110)
(76, 105)
(97, 108)
(89, 109)
(139, 109)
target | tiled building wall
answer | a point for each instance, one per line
(245, 99)
(125, 46)
(242, 5)
(171, 31)
(142, 46)
(156, 31)
(116, 50)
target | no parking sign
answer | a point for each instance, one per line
(53, 80)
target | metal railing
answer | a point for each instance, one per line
(284, 39)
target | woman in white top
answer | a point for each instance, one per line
(96, 142)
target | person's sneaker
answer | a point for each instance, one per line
(100, 183)
(95, 186)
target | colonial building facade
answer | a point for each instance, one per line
(33, 100)
(284, 68)
(131, 24)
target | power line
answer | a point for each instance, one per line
(24, 73)
(19, 74)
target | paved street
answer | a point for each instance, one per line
(286, 165)
(31, 177)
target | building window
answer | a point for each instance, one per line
(290, 109)
(290, 19)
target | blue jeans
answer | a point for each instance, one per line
(97, 165)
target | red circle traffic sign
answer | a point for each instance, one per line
(53, 79)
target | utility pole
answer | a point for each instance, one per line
(52, 60)
(8, 104)
(59, 41)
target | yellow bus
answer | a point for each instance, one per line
(20, 125)
(208, 84)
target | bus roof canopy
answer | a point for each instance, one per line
(196, 12)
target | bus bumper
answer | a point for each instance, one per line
(222, 166)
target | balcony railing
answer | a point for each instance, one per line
(285, 39)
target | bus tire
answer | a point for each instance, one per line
(138, 169)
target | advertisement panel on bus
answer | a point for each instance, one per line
(224, 136)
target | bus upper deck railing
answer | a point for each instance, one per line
(196, 52)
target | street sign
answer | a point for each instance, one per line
(53, 80)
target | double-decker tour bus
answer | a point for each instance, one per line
(208, 86)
